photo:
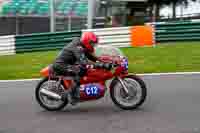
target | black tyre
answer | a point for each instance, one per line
(116, 86)
(40, 98)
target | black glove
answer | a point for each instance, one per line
(108, 66)
(98, 65)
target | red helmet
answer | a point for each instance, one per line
(89, 40)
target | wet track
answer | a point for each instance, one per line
(172, 106)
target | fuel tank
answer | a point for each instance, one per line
(96, 75)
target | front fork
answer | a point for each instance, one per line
(123, 85)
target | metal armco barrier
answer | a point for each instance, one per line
(177, 31)
(119, 37)
(136, 36)
(35, 42)
(44, 41)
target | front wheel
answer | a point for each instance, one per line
(136, 96)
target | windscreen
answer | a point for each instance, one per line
(108, 51)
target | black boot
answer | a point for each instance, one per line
(75, 94)
(64, 96)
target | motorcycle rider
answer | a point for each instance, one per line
(77, 52)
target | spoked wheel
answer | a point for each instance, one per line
(47, 102)
(136, 92)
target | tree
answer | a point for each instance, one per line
(159, 3)
(156, 5)
(177, 2)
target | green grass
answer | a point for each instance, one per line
(172, 57)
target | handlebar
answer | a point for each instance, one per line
(107, 66)
(106, 62)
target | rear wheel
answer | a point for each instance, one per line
(136, 96)
(46, 102)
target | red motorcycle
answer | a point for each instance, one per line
(126, 91)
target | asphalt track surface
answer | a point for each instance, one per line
(172, 106)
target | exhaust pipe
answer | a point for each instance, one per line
(50, 94)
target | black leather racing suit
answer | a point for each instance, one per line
(72, 54)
